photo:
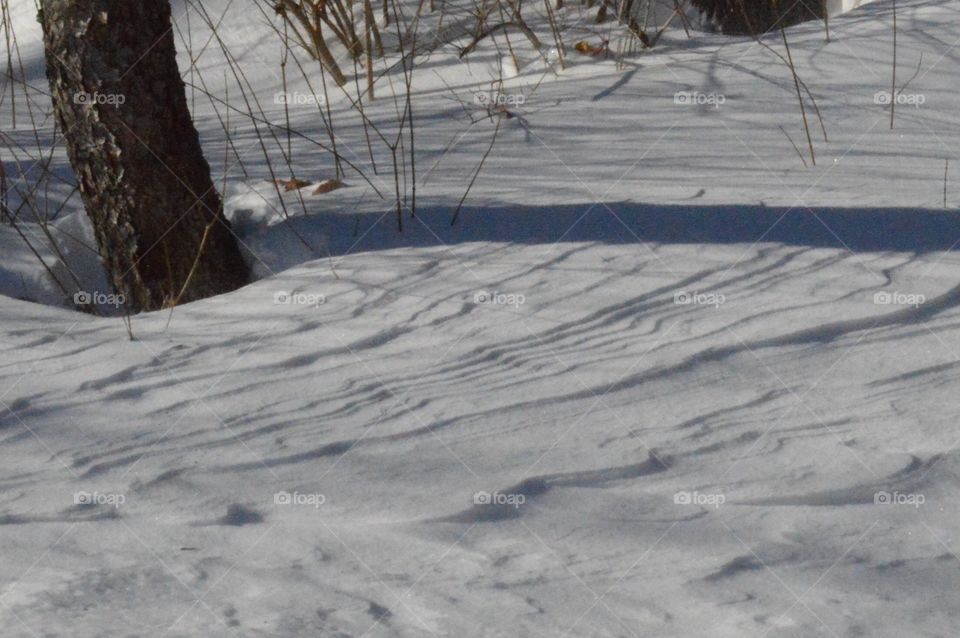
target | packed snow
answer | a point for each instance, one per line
(664, 376)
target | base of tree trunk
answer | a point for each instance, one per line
(122, 107)
(755, 17)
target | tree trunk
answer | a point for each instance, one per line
(122, 107)
(756, 17)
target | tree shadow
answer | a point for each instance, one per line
(856, 229)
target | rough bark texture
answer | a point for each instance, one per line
(754, 17)
(122, 106)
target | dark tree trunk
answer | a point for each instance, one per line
(755, 17)
(120, 101)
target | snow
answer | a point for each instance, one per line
(659, 379)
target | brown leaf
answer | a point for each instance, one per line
(588, 49)
(292, 184)
(328, 185)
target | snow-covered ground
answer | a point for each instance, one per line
(660, 379)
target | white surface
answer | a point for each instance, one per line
(598, 398)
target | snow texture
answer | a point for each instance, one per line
(660, 379)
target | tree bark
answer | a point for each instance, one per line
(121, 104)
(756, 17)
